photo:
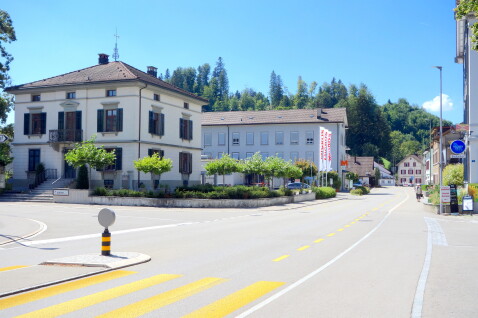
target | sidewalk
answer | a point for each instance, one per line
(17, 280)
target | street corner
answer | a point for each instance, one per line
(14, 228)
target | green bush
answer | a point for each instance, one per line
(324, 192)
(356, 191)
(100, 191)
(365, 190)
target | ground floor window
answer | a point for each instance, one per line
(33, 159)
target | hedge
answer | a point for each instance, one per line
(356, 191)
(324, 192)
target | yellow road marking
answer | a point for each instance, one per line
(347, 225)
(11, 268)
(357, 219)
(231, 303)
(93, 299)
(152, 303)
(303, 247)
(61, 288)
(352, 222)
(319, 240)
(340, 230)
(331, 234)
(281, 258)
(375, 209)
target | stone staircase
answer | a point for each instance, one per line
(42, 193)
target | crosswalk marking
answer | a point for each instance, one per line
(235, 301)
(150, 304)
(11, 268)
(93, 299)
(62, 288)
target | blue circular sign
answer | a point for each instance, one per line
(457, 146)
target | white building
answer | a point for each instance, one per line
(410, 170)
(128, 110)
(469, 58)
(289, 134)
(386, 177)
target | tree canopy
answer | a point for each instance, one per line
(7, 35)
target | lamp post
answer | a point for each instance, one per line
(440, 165)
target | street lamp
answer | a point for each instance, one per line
(440, 165)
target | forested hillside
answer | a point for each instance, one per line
(391, 131)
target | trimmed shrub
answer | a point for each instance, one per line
(324, 192)
(365, 190)
(356, 191)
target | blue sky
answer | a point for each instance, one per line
(388, 45)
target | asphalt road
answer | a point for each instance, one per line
(381, 255)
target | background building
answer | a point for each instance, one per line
(469, 58)
(128, 110)
(289, 134)
(410, 170)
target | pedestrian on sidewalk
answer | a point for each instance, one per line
(418, 191)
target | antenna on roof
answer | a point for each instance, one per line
(115, 52)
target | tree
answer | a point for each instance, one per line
(377, 176)
(272, 168)
(224, 165)
(86, 153)
(253, 165)
(308, 168)
(154, 165)
(5, 149)
(7, 35)
(82, 181)
(301, 97)
(288, 170)
(465, 8)
(275, 89)
(453, 174)
(220, 74)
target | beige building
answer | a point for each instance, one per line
(129, 111)
(410, 171)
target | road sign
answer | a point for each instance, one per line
(457, 146)
(106, 217)
(458, 156)
(3, 138)
(445, 194)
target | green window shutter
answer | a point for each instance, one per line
(119, 158)
(43, 123)
(61, 120)
(181, 130)
(78, 120)
(161, 126)
(190, 129)
(100, 120)
(190, 163)
(151, 123)
(119, 120)
(26, 124)
(181, 162)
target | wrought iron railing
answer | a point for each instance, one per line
(66, 135)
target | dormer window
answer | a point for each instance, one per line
(156, 97)
(110, 92)
(186, 105)
(70, 95)
(36, 98)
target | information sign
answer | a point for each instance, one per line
(445, 194)
(457, 146)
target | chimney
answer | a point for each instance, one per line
(153, 71)
(319, 113)
(103, 58)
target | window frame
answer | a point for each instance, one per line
(156, 123)
(264, 134)
(111, 93)
(223, 135)
(36, 97)
(236, 138)
(185, 129)
(279, 140)
(249, 138)
(207, 139)
(157, 97)
(309, 137)
(33, 163)
(70, 95)
(294, 137)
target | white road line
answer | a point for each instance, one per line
(435, 236)
(318, 270)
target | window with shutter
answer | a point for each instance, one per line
(34, 123)
(110, 120)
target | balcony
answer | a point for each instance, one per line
(65, 135)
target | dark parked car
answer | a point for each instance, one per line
(298, 185)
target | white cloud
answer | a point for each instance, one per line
(434, 104)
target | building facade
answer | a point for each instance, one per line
(129, 111)
(469, 58)
(289, 134)
(410, 171)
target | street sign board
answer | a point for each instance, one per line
(457, 146)
(106, 217)
(3, 138)
(458, 156)
(445, 194)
